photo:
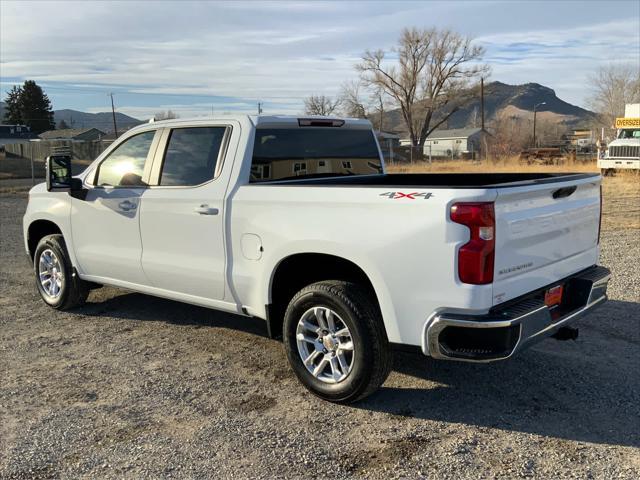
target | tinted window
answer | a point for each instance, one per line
(125, 165)
(191, 156)
(286, 153)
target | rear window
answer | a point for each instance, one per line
(290, 153)
(191, 156)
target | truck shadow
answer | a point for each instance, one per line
(583, 391)
(137, 306)
(588, 390)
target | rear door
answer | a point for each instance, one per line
(182, 213)
(544, 232)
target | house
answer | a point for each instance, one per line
(459, 142)
(10, 134)
(78, 134)
(267, 170)
(387, 139)
(389, 143)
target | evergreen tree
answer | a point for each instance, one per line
(36, 108)
(29, 105)
(62, 125)
(13, 113)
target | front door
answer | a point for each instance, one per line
(106, 224)
(182, 213)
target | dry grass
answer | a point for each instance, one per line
(621, 193)
(621, 201)
(498, 166)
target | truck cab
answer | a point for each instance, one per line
(623, 153)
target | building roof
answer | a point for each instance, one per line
(453, 133)
(66, 133)
(387, 135)
(15, 131)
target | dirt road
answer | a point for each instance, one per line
(132, 386)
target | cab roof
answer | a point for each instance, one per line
(285, 121)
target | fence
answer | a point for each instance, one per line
(38, 151)
(24, 160)
(410, 154)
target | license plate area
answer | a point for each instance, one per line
(553, 296)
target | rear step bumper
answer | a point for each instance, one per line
(515, 325)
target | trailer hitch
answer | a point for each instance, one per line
(566, 333)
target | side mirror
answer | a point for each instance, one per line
(59, 177)
(58, 172)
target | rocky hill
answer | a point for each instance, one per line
(512, 100)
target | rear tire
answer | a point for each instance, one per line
(350, 357)
(56, 281)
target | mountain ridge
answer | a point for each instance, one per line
(500, 98)
(512, 100)
(78, 119)
(100, 120)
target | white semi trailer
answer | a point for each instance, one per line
(624, 151)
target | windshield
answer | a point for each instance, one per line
(629, 133)
(308, 152)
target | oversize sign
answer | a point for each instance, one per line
(627, 122)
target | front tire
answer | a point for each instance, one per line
(58, 284)
(335, 341)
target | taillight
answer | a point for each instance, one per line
(476, 257)
(600, 219)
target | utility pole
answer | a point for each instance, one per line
(259, 108)
(534, 121)
(113, 113)
(33, 170)
(481, 115)
(482, 103)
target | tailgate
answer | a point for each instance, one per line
(544, 233)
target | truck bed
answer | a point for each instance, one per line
(448, 180)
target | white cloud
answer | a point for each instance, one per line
(280, 52)
(563, 58)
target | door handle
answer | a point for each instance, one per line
(564, 192)
(127, 205)
(206, 210)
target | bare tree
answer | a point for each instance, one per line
(379, 102)
(434, 67)
(168, 115)
(509, 135)
(357, 104)
(320, 105)
(352, 103)
(612, 87)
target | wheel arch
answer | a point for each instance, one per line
(298, 270)
(39, 229)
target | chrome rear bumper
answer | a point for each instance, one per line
(515, 325)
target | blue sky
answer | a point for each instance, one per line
(199, 57)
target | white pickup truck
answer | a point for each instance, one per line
(294, 220)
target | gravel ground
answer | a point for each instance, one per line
(132, 386)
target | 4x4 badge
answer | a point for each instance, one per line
(410, 196)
